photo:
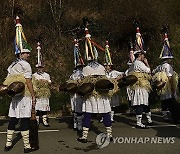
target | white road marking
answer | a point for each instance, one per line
(43, 131)
(163, 126)
(160, 126)
(40, 131)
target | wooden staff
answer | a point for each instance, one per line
(33, 132)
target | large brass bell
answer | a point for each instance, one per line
(68, 87)
(16, 88)
(127, 80)
(85, 89)
(159, 84)
(104, 85)
(71, 87)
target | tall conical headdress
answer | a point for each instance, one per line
(78, 61)
(166, 51)
(21, 44)
(107, 57)
(131, 55)
(139, 43)
(39, 56)
(90, 49)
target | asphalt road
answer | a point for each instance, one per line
(61, 138)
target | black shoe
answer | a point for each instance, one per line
(7, 148)
(82, 140)
(28, 150)
(142, 127)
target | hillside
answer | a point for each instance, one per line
(55, 22)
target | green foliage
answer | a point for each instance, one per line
(4, 105)
(57, 100)
(124, 107)
(157, 105)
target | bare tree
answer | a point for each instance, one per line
(12, 8)
(56, 11)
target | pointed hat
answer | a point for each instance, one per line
(166, 50)
(107, 55)
(20, 41)
(139, 43)
(39, 56)
(78, 61)
(131, 55)
(90, 50)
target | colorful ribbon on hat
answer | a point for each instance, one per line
(108, 60)
(131, 54)
(39, 55)
(166, 46)
(139, 40)
(77, 55)
(98, 46)
(93, 45)
(89, 48)
(20, 40)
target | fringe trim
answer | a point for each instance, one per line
(77, 82)
(143, 81)
(41, 88)
(116, 89)
(93, 79)
(161, 76)
(20, 78)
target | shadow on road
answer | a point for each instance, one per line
(163, 129)
(68, 120)
(17, 138)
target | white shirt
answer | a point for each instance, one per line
(20, 106)
(77, 74)
(42, 76)
(165, 67)
(93, 68)
(20, 66)
(139, 95)
(139, 66)
(114, 74)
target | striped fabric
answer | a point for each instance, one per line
(115, 97)
(76, 100)
(139, 95)
(97, 105)
(92, 104)
(167, 68)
